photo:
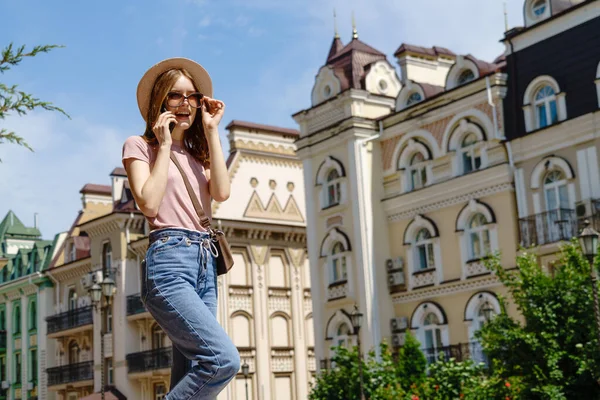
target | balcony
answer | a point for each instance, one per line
(135, 305)
(337, 290)
(460, 352)
(2, 340)
(548, 227)
(71, 373)
(150, 360)
(69, 320)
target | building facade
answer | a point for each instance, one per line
(24, 295)
(264, 302)
(412, 179)
(554, 121)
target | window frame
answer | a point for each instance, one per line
(479, 231)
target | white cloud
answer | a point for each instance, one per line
(68, 154)
(205, 21)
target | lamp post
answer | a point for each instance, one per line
(356, 318)
(246, 372)
(588, 239)
(96, 292)
(487, 310)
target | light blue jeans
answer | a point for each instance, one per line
(179, 289)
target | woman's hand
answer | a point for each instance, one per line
(161, 128)
(212, 111)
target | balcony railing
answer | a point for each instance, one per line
(460, 352)
(71, 373)
(71, 319)
(135, 305)
(3, 339)
(548, 227)
(150, 360)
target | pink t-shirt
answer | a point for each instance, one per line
(176, 209)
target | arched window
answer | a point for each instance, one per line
(465, 76)
(418, 171)
(479, 237)
(545, 107)
(240, 324)
(414, 98)
(471, 156)
(333, 188)
(424, 251)
(539, 8)
(339, 270)
(342, 337)
(280, 336)
(555, 191)
(432, 334)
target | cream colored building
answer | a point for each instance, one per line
(264, 302)
(408, 186)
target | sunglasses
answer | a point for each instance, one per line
(175, 99)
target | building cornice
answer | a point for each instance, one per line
(75, 269)
(446, 289)
(112, 222)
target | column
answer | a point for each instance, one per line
(263, 376)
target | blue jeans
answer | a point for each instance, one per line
(179, 289)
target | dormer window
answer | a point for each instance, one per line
(471, 156)
(539, 8)
(413, 99)
(327, 91)
(544, 104)
(465, 76)
(418, 171)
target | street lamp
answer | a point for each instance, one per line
(487, 311)
(96, 293)
(588, 239)
(246, 372)
(356, 319)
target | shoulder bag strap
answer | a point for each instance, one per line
(204, 221)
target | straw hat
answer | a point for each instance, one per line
(199, 75)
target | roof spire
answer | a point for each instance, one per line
(505, 18)
(354, 31)
(335, 29)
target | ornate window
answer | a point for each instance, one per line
(424, 251)
(73, 352)
(331, 177)
(415, 164)
(72, 299)
(555, 191)
(478, 232)
(16, 319)
(342, 337)
(471, 155)
(539, 8)
(431, 327)
(479, 237)
(465, 76)
(418, 171)
(333, 188)
(543, 104)
(339, 271)
(159, 338)
(32, 315)
(480, 307)
(546, 110)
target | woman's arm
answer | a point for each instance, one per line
(218, 176)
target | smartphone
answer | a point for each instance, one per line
(172, 124)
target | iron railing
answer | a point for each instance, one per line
(135, 305)
(70, 373)
(548, 227)
(71, 319)
(150, 360)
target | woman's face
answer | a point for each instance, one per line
(184, 112)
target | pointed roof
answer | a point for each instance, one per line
(351, 61)
(12, 226)
(336, 47)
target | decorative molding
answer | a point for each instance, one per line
(424, 279)
(307, 304)
(259, 254)
(240, 299)
(462, 286)
(73, 270)
(273, 209)
(297, 256)
(475, 268)
(270, 148)
(488, 191)
(279, 300)
(337, 291)
(282, 360)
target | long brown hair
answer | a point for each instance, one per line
(194, 139)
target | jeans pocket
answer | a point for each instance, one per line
(168, 243)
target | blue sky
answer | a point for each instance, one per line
(262, 55)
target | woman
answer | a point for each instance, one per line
(179, 279)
